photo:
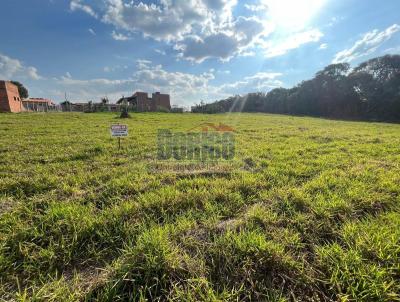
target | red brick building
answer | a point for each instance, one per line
(142, 102)
(159, 101)
(10, 100)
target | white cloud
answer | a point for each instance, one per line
(259, 82)
(184, 88)
(256, 7)
(10, 68)
(33, 73)
(77, 5)
(93, 89)
(334, 20)
(392, 50)
(198, 29)
(114, 68)
(143, 64)
(203, 29)
(119, 37)
(161, 52)
(278, 48)
(218, 45)
(323, 46)
(239, 36)
(367, 45)
(168, 21)
(92, 31)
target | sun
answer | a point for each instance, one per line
(292, 14)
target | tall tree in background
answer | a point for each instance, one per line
(370, 91)
(376, 82)
(23, 92)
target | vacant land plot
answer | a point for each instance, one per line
(308, 210)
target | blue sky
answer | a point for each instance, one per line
(193, 49)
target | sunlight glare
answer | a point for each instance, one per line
(292, 14)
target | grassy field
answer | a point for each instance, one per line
(308, 210)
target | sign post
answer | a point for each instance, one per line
(119, 131)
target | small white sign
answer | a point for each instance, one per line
(119, 130)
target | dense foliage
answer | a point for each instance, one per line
(308, 210)
(371, 91)
(23, 92)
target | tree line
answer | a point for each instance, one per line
(370, 91)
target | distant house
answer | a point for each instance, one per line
(141, 102)
(39, 104)
(10, 100)
(177, 109)
(89, 107)
(76, 107)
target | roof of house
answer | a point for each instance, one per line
(39, 100)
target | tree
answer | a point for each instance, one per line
(104, 102)
(376, 83)
(330, 90)
(23, 92)
(382, 69)
(124, 110)
(370, 91)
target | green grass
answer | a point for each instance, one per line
(308, 210)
